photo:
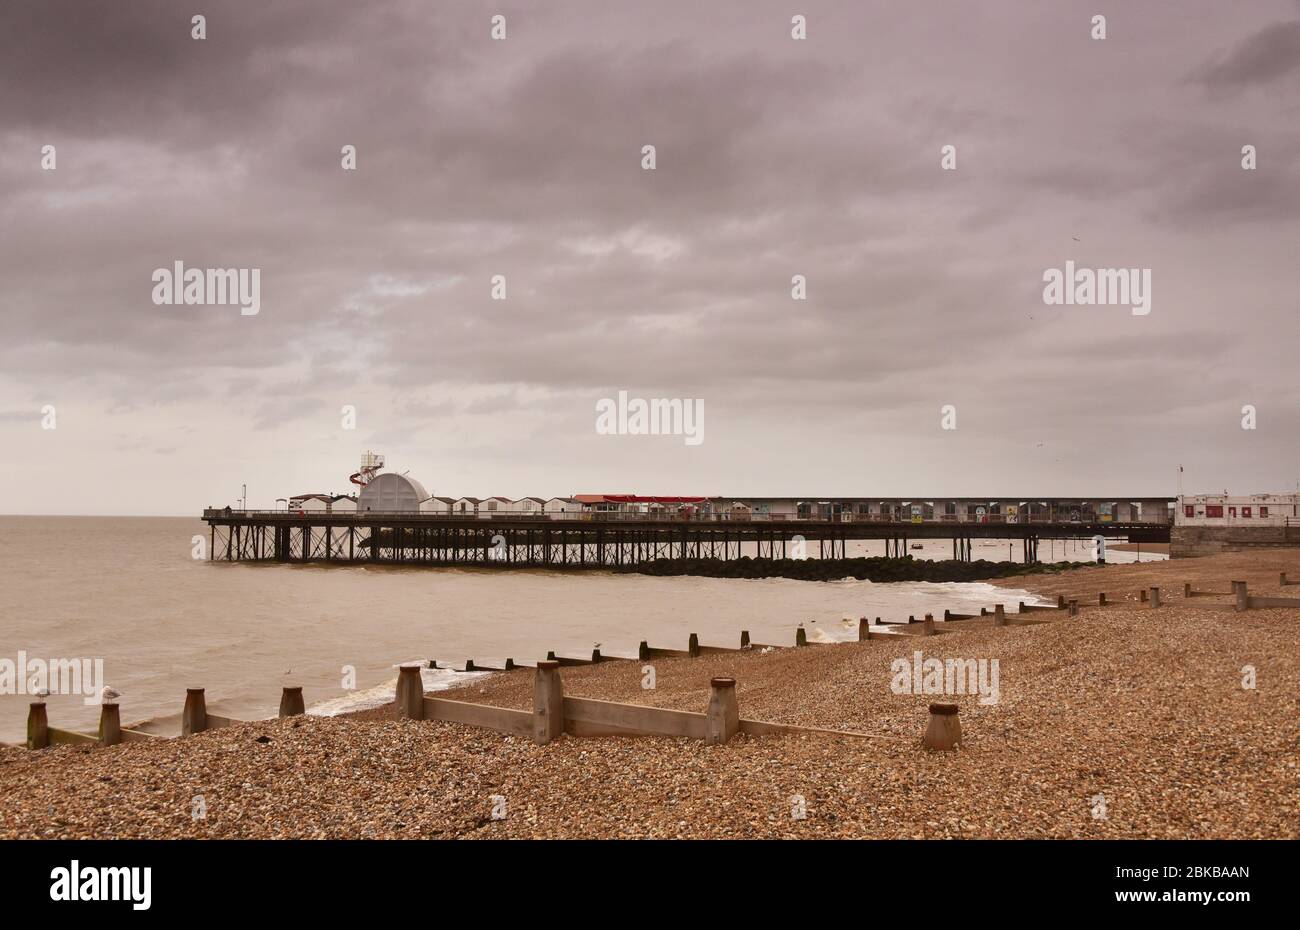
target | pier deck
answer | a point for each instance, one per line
(601, 539)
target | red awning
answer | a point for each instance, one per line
(638, 499)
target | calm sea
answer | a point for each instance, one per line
(127, 591)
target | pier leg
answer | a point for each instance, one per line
(110, 725)
(291, 704)
(38, 726)
(548, 703)
(408, 701)
(194, 719)
(943, 731)
(723, 716)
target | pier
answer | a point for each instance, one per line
(605, 540)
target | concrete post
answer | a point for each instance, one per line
(927, 628)
(38, 726)
(723, 716)
(999, 615)
(1155, 598)
(864, 630)
(943, 731)
(800, 637)
(194, 719)
(693, 646)
(110, 725)
(1074, 608)
(1243, 599)
(548, 703)
(408, 701)
(291, 704)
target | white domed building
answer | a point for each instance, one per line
(391, 493)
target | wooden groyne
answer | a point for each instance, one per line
(554, 713)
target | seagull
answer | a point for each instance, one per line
(595, 645)
(42, 694)
(109, 694)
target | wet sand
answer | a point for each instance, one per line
(1120, 722)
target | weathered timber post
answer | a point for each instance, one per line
(1101, 599)
(927, 627)
(408, 701)
(1074, 608)
(1187, 589)
(943, 731)
(291, 704)
(1281, 580)
(548, 703)
(642, 651)
(1142, 595)
(38, 726)
(1154, 598)
(744, 639)
(194, 719)
(1243, 599)
(1060, 602)
(723, 716)
(800, 636)
(693, 646)
(999, 615)
(110, 725)
(864, 629)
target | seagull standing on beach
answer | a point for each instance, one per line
(42, 694)
(109, 695)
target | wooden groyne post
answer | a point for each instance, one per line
(194, 719)
(409, 697)
(38, 726)
(548, 703)
(291, 703)
(110, 724)
(723, 715)
(943, 730)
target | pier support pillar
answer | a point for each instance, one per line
(194, 719)
(408, 701)
(548, 703)
(1243, 599)
(38, 726)
(110, 725)
(943, 731)
(291, 704)
(723, 716)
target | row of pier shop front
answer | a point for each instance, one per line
(393, 493)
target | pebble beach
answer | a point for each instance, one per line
(1121, 722)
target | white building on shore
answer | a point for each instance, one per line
(1237, 510)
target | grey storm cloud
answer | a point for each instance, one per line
(775, 157)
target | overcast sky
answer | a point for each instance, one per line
(523, 158)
